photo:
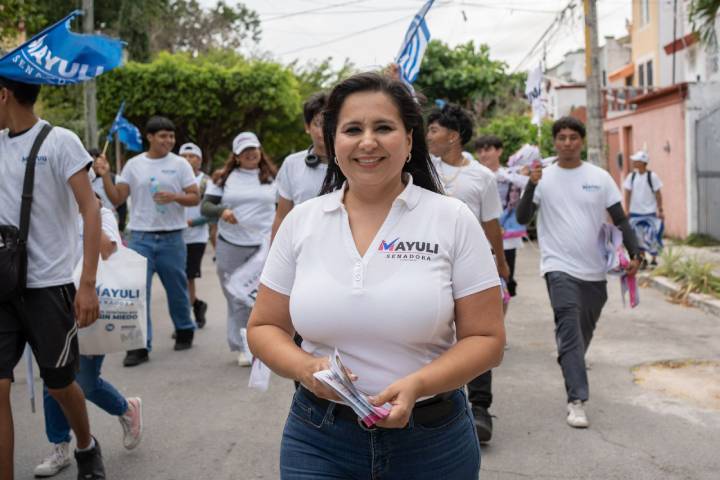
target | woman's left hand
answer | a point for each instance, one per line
(402, 396)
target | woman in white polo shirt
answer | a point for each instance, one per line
(242, 198)
(400, 280)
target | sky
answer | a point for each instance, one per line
(369, 32)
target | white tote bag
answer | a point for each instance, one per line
(121, 287)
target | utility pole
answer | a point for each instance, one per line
(674, 39)
(89, 88)
(592, 82)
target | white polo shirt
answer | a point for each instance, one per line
(390, 311)
(296, 181)
(474, 184)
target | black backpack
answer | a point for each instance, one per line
(649, 179)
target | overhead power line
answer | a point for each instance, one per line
(312, 10)
(556, 22)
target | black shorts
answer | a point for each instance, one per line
(44, 318)
(195, 252)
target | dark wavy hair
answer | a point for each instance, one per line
(453, 117)
(420, 165)
(267, 168)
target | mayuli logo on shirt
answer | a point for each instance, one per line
(400, 250)
(591, 188)
(39, 160)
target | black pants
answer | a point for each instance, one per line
(480, 390)
(510, 258)
(576, 305)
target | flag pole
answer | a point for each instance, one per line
(104, 150)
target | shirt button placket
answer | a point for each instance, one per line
(358, 275)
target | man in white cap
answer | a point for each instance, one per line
(197, 233)
(643, 201)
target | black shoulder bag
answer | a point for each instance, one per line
(13, 241)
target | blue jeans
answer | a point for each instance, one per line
(318, 445)
(97, 390)
(166, 254)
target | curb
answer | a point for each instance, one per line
(706, 303)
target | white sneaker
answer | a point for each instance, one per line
(55, 462)
(132, 423)
(576, 417)
(243, 360)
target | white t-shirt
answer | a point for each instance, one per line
(296, 181)
(201, 233)
(643, 199)
(99, 188)
(474, 184)
(173, 173)
(505, 178)
(573, 207)
(253, 204)
(52, 235)
(391, 311)
(109, 227)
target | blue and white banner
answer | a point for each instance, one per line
(413, 47)
(127, 133)
(57, 56)
(533, 92)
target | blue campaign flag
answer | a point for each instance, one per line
(57, 56)
(127, 133)
(413, 47)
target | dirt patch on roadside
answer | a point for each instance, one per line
(694, 381)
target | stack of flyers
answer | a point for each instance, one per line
(338, 380)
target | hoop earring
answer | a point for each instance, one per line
(409, 157)
(335, 160)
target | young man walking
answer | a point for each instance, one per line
(464, 178)
(302, 173)
(49, 311)
(161, 184)
(197, 233)
(643, 200)
(573, 199)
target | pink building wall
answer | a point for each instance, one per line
(655, 125)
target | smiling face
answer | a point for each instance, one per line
(249, 159)
(161, 142)
(194, 161)
(371, 142)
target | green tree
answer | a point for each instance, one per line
(517, 130)
(466, 75)
(209, 103)
(703, 16)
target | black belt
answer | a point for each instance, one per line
(425, 412)
(162, 232)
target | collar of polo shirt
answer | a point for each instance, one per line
(410, 196)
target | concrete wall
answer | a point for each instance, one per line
(654, 128)
(561, 101)
(645, 38)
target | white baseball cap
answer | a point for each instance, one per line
(245, 140)
(190, 148)
(640, 156)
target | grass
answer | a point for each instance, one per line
(700, 240)
(692, 275)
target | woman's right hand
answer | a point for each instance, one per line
(316, 364)
(228, 216)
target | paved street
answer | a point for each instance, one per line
(202, 422)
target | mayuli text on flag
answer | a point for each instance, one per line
(413, 47)
(57, 56)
